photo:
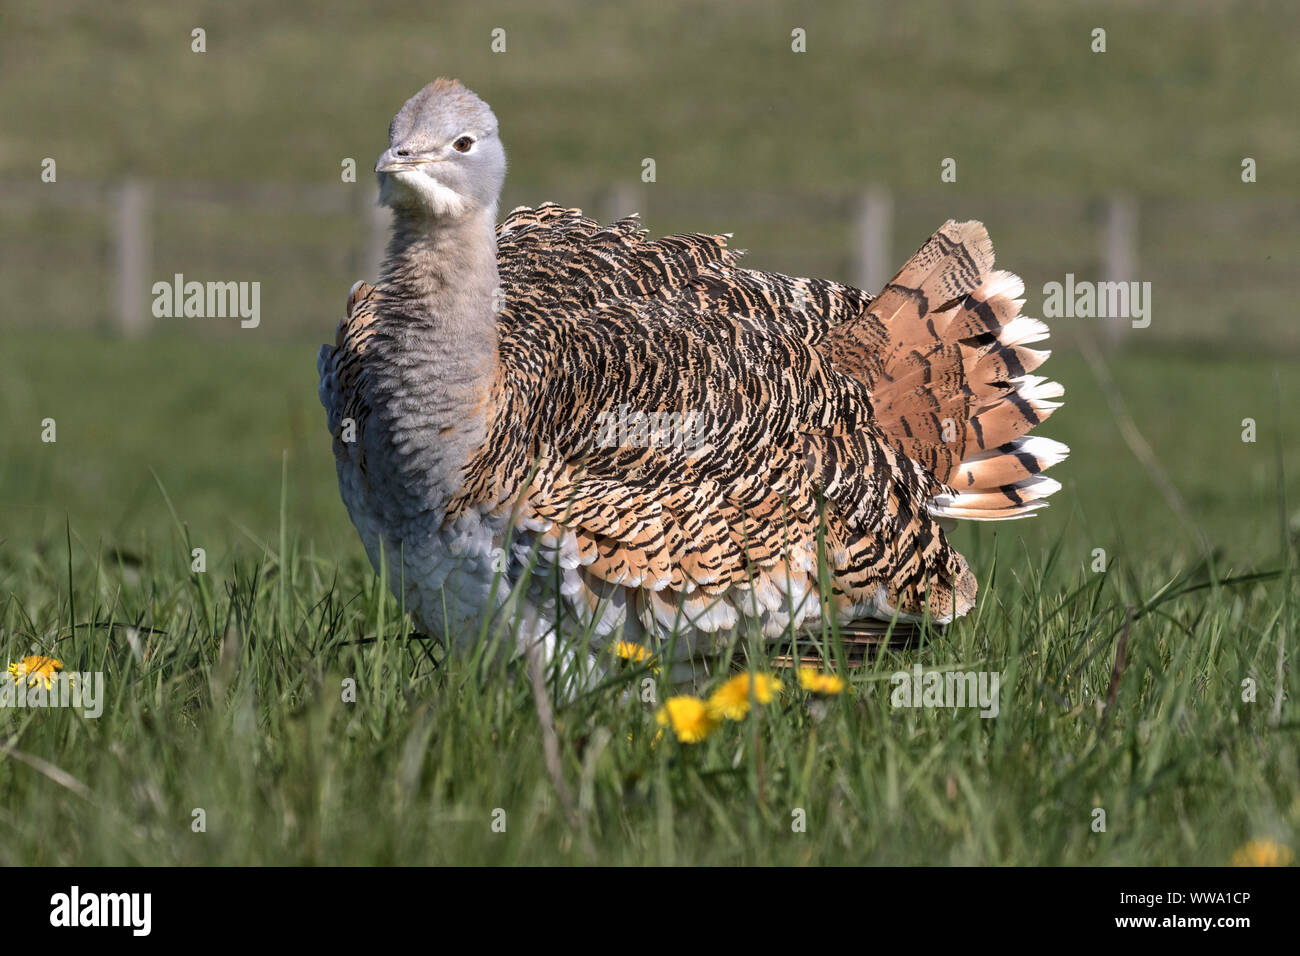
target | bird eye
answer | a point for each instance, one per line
(463, 144)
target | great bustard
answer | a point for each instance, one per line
(632, 439)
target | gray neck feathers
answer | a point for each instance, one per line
(437, 354)
(441, 277)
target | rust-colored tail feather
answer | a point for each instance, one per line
(949, 362)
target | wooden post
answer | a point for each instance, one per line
(1119, 258)
(619, 201)
(873, 224)
(131, 254)
(376, 231)
(371, 234)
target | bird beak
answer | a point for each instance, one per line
(390, 162)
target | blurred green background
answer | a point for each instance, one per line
(239, 152)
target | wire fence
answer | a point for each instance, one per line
(78, 255)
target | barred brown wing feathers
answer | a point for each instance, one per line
(705, 511)
(744, 511)
(554, 259)
(342, 370)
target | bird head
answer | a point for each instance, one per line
(444, 160)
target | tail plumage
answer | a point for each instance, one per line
(948, 360)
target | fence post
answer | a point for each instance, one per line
(873, 224)
(619, 201)
(375, 229)
(1119, 257)
(131, 253)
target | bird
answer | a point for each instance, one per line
(615, 441)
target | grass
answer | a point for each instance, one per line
(225, 688)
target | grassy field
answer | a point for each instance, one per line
(224, 689)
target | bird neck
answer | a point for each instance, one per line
(441, 277)
(436, 359)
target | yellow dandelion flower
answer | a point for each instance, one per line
(1263, 853)
(34, 669)
(689, 717)
(810, 678)
(636, 653)
(629, 651)
(731, 700)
